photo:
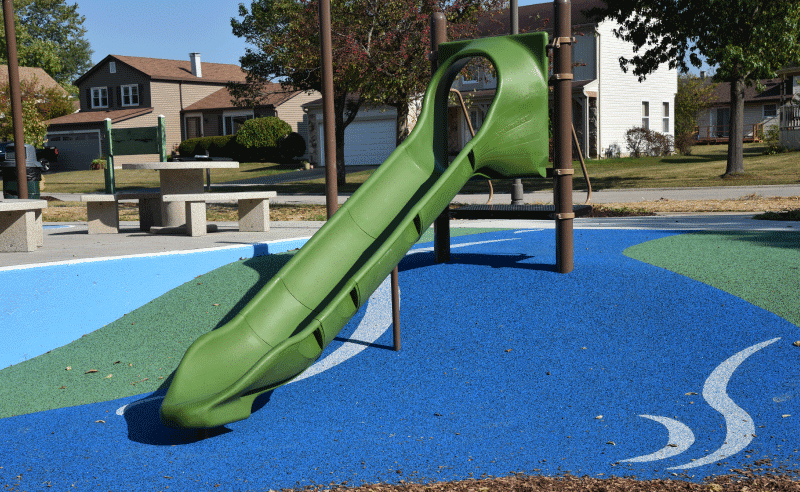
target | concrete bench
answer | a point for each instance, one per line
(253, 209)
(21, 225)
(103, 211)
(149, 207)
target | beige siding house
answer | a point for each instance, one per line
(132, 92)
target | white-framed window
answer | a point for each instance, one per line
(665, 119)
(130, 95)
(99, 97)
(646, 115)
(233, 120)
(112, 67)
(770, 110)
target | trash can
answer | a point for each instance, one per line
(33, 170)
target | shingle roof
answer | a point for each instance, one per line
(28, 73)
(160, 69)
(222, 99)
(98, 116)
(532, 18)
(771, 92)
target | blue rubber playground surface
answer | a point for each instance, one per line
(620, 368)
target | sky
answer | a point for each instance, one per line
(169, 29)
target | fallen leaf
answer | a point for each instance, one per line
(797, 343)
(109, 376)
(508, 350)
(90, 371)
(99, 421)
(216, 304)
(612, 443)
(63, 388)
(599, 417)
(672, 445)
(786, 415)
(690, 393)
(117, 362)
(69, 368)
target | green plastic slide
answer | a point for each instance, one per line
(286, 326)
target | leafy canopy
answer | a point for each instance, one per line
(50, 35)
(746, 40)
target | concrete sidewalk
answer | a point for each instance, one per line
(601, 196)
(70, 241)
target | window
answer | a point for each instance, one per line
(112, 67)
(770, 110)
(130, 95)
(234, 121)
(99, 97)
(645, 115)
(665, 125)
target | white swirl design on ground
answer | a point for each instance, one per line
(741, 429)
(679, 439)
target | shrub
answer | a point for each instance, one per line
(772, 138)
(642, 141)
(685, 142)
(262, 132)
(224, 146)
(292, 145)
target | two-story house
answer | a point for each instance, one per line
(133, 91)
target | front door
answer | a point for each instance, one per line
(193, 127)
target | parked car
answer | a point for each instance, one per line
(46, 156)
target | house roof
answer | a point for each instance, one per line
(770, 94)
(98, 116)
(222, 99)
(178, 70)
(537, 17)
(29, 73)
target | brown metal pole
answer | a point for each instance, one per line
(562, 165)
(517, 192)
(16, 99)
(441, 226)
(396, 309)
(329, 125)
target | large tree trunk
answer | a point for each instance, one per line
(736, 134)
(339, 108)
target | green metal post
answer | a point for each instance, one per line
(110, 188)
(162, 137)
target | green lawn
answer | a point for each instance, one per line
(703, 168)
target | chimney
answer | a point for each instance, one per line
(196, 70)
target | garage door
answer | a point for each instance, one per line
(77, 150)
(366, 142)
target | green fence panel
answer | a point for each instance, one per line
(134, 141)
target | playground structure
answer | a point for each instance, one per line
(284, 329)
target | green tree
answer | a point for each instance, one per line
(379, 47)
(50, 35)
(38, 105)
(694, 95)
(746, 40)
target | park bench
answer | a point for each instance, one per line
(21, 224)
(103, 210)
(253, 209)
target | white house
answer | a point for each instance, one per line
(607, 102)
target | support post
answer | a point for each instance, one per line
(162, 138)
(517, 193)
(562, 159)
(16, 99)
(109, 171)
(329, 125)
(396, 309)
(441, 226)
